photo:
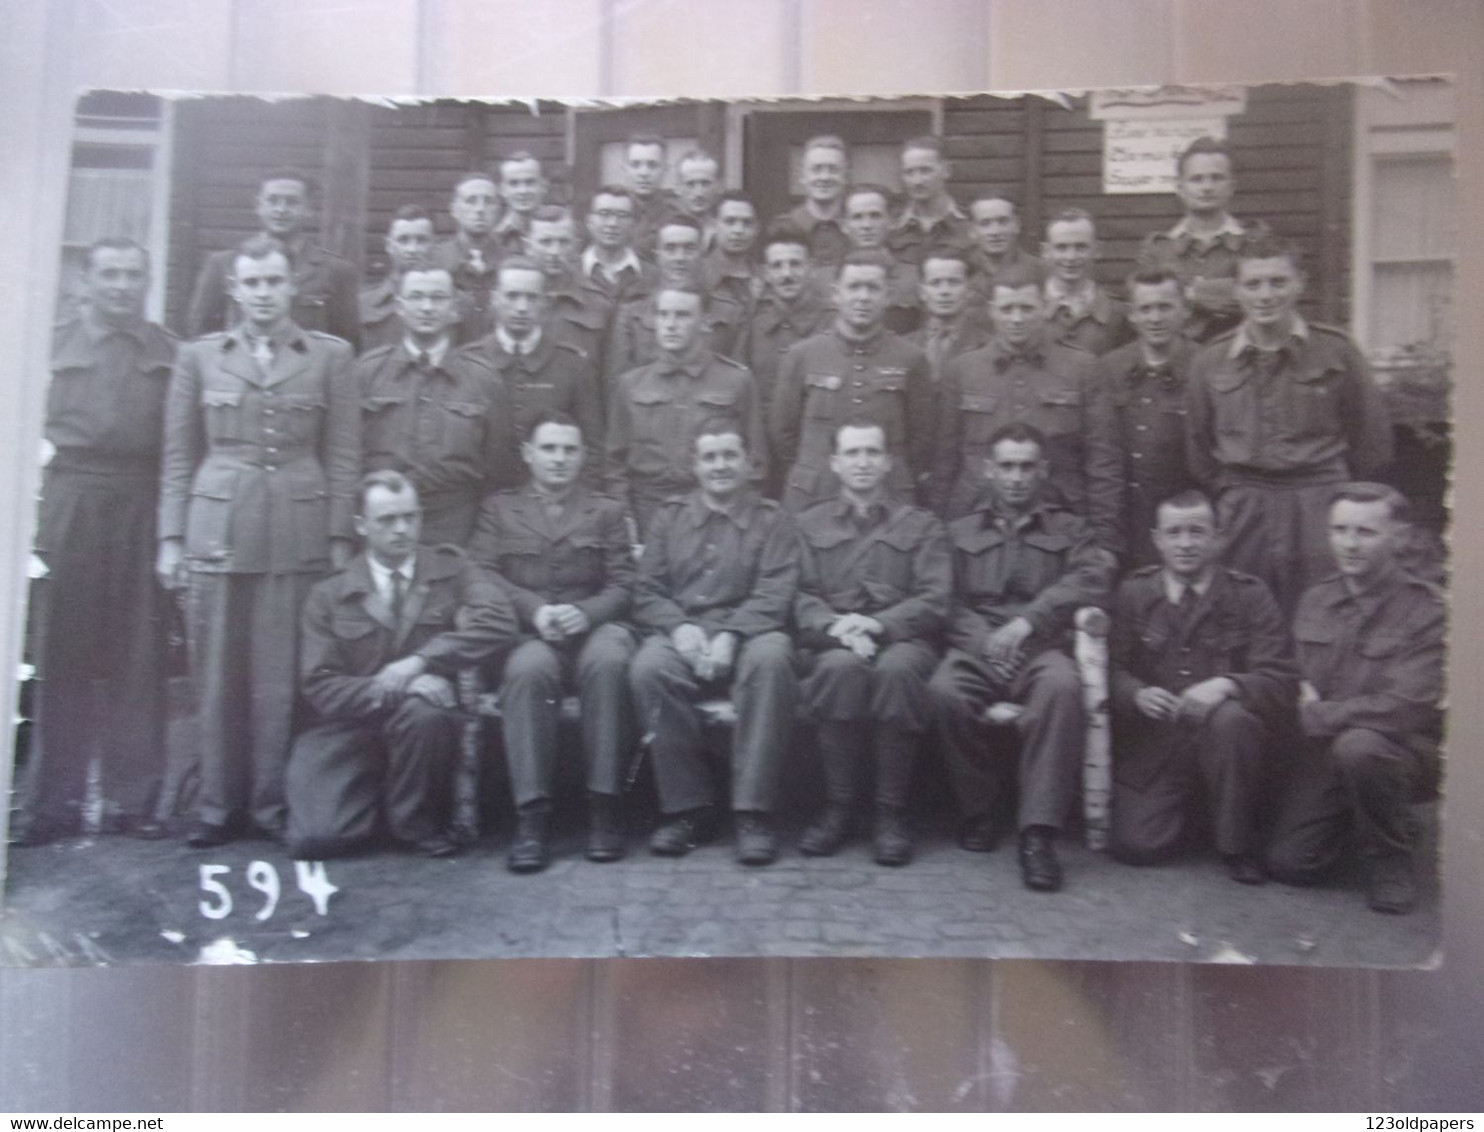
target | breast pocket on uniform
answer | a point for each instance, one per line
(1315, 397)
(1059, 411)
(463, 425)
(718, 399)
(977, 417)
(821, 394)
(222, 411)
(305, 413)
(209, 514)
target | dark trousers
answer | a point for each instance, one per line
(344, 774)
(1051, 734)
(1163, 771)
(98, 632)
(1360, 785)
(1279, 533)
(244, 646)
(536, 677)
(765, 692)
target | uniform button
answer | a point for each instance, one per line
(267, 412)
(1141, 428)
(1137, 455)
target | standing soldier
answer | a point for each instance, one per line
(261, 454)
(437, 414)
(325, 286)
(577, 308)
(1144, 383)
(716, 584)
(609, 260)
(1371, 644)
(698, 185)
(930, 220)
(730, 268)
(1204, 245)
(522, 192)
(678, 253)
(408, 241)
(539, 372)
(821, 215)
(98, 621)
(867, 222)
(1201, 682)
(1024, 376)
(793, 306)
(954, 325)
(1082, 313)
(994, 223)
(563, 557)
(874, 586)
(1023, 566)
(472, 252)
(857, 367)
(1281, 413)
(644, 171)
(654, 410)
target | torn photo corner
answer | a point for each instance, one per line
(244, 737)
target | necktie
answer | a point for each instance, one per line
(262, 352)
(424, 363)
(399, 596)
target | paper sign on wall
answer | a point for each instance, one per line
(1145, 129)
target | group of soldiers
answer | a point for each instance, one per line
(856, 470)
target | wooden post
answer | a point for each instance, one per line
(1336, 204)
(1032, 210)
(345, 188)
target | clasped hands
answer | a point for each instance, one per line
(858, 633)
(410, 677)
(555, 623)
(710, 658)
(1194, 704)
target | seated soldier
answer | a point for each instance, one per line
(874, 585)
(1201, 679)
(1022, 568)
(562, 555)
(716, 584)
(383, 641)
(1370, 645)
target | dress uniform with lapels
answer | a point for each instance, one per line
(447, 425)
(326, 294)
(261, 456)
(826, 380)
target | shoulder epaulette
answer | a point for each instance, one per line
(573, 348)
(1335, 331)
(324, 336)
(1243, 577)
(449, 550)
(731, 362)
(1146, 571)
(1224, 336)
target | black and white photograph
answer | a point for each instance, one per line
(972, 526)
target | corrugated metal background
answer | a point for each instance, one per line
(772, 1034)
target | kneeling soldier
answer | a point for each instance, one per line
(1201, 678)
(874, 586)
(1370, 643)
(382, 641)
(716, 583)
(563, 557)
(1022, 568)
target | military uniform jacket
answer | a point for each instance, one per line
(1047, 385)
(578, 311)
(896, 568)
(774, 327)
(737, 283)
(911, 238)
(824, 381)
(381, 325)
(1233, 630)
(326, 294)
(970, 331)
(1309, 412)
(260, 466)
(454, 616)
(448, 428)
(632, 341)
(1208, 261)
(472, 279)
(1375, 658)
(555, 376)
(1103, 326)
(1042, 565)
(580, 557)
(653, 415)
(735, 572)
(828, 243)
(982, 273)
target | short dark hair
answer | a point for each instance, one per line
(389, 478)
(952, 255)
(1184, 500)
(1070, 216)
(720, 424)
(1018, 431)
(409, 212)
(784, 232)
(736, 196)
(852, 191)
(864, 257)
(1365, 491)
(115, 244)
(424, 269)
(551, 214)
(642, 139)
(1154, 277)
(473, 175)
(994, 194)
(610, 190)
(684, 289)
(861, 420)
(678, 220)
(261, 246)
(1021, 273)
(550, 416)
(1201, 145)
(518, 263)
(287, 173)
(1268, 246)
(698, 155)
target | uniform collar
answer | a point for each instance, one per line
(1230, 232)
(1241, 343)
(1091, 299)
(1173, 586)
(590, 260)
(1033, 352)
(928, 221)
(512, 221)
(727, 268)
(288, 334)
(808, 219)
(518, 348)
(436, 354)
(739, 513)
(867, 345)
(844, 512)
(693, 363)
(381, 576)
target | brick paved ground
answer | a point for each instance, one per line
(118, 900)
